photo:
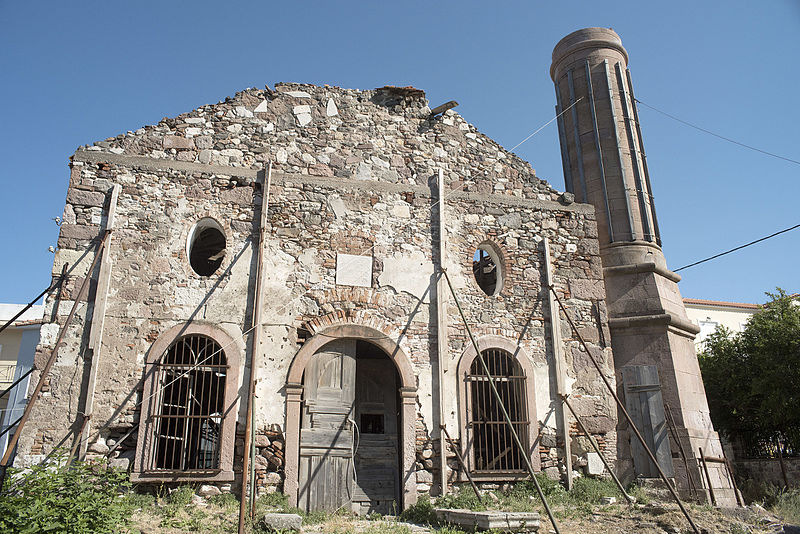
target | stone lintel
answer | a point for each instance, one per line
(645, 267)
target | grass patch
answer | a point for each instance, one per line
(522, 497)
(387, 528)
(787, 505)
(84, 497)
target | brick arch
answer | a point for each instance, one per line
(408, 398)
(516, 351)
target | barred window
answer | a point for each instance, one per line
(492, 444)
(191, 395)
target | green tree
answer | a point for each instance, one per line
(752, 379)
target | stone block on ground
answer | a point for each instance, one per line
(594, 464)
(207, 490)
(282, 522)
(491, 519)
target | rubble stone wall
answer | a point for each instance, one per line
(354, 172)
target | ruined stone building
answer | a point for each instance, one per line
(337, 296)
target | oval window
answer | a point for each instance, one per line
(206, 247)
(486, 269)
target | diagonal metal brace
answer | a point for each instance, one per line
(500, 403)
(622, 409)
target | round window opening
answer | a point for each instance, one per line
(206, 247)
(486, 269)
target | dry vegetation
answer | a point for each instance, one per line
(576, 512)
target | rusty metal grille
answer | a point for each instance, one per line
(493, 447)
(191, 394)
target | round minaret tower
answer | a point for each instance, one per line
(601, 143)
(652, 338)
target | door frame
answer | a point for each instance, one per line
(408, 399)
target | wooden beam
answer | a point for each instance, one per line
(98, 321)
(562, 419)
(441, 335)
(257, 321)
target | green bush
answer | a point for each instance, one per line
(181, 496)
(464, 497)
(421, 512)
(84, 497)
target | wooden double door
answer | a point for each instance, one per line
(349, 430)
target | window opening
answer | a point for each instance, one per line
(206, 247)
(372, 423)
(493, 446)
(191, 382)
(485, 268)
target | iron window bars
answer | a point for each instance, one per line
(191, 394)
(493, 446)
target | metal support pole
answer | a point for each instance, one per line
(31, 303)
(625, 413)
(597, 450)
(12, 425)
(78, 439)
(500, 403)
(634, 152)
(257, 304)
(576, 135)
(622, 172)
(252, 452)
(562, 137)
(708, 477)
(590, 92)
(673, 430)
(463, 463)
(17, 381)
(733, 483)
(53, 354)
(120, 440)
(651, 200)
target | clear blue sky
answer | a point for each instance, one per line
(78, 72)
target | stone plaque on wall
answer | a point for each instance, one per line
(353, 270)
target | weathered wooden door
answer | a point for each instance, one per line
(326, 434)
(378, 477)
(646, 407)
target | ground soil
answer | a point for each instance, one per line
(649, 519)
(653, 518)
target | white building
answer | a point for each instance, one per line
(708, 314)
(17, 348)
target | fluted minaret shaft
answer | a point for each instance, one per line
(602, 149)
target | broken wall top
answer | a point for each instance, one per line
(385, 135)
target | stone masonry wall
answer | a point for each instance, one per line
(354, 172)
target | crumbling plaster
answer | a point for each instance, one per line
(353, 174)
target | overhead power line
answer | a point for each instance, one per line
(738, 248)
(728, 139)
(543, 125)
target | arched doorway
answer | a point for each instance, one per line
(351, 409)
